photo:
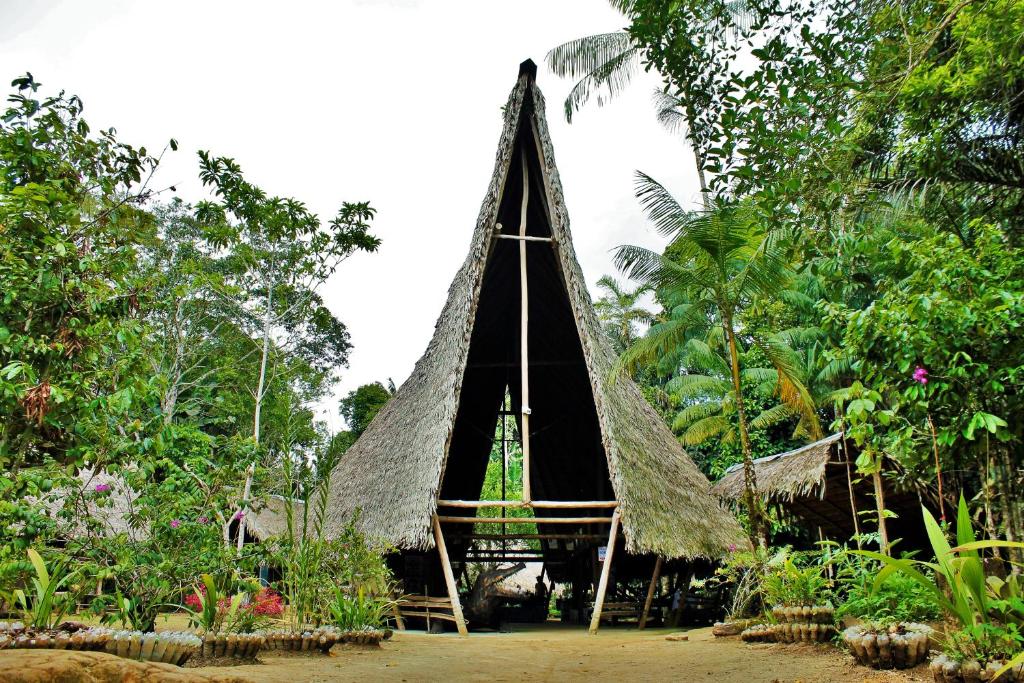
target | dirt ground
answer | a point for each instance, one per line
(556, 653)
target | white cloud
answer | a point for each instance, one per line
(392, 101)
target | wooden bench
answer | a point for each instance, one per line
(613, 611)
(422, 607)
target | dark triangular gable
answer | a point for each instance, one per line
(568, 458)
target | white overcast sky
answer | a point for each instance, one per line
(397, 103)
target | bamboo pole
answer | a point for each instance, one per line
(602, 587)
(524, 334)
(849, 485)
(536, 537)
(883, 531)
(542, 504)
(535, 520)
(650, 592)
(525, 238)
(449, 578)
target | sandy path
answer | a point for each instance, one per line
(555, 653)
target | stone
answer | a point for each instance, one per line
(75, 666)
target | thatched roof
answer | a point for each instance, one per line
(817, 486)
(394, 472)
(112, 509)
(271, 520)
(800, 472)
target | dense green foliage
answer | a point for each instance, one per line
(877, 147)
(159, 364)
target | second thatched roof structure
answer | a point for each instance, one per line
(817, 487)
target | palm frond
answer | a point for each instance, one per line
(772, 416)
(670, 111)
(604, 64)
(706, 429)
(660, 206)
(692, 386)
(695, 413)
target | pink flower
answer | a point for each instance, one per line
(100, 488)
(732, 547)
(920, 375)
(175, 523)
(238, 515)
(202, 519)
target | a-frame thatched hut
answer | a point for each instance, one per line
(595, 454)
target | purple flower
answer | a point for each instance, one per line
(202, 519)
(920, 375)
(175, 523)
(100, 488)
(238, 515)
(732, 547)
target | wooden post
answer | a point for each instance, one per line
(602, 587)
(650, 592)
(397, 614)
(449, 578)
(849, 484)
(880, 503)
(524, 359)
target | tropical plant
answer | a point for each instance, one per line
(963, 593)
(212, 615)
(899, 599)
(276, 254)
(790, 585)
(742, 573)
(48, 600)
(716, 264)
(619, 311)
(358, 610)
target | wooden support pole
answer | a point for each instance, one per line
(849, 485)
(524, 238)
(535, 537)
(541, 504)
(399, 622)
(602, 587)
(519, 520)
(449, 578)
(650, 592)
(524, 359)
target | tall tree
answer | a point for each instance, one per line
(619, 310)
(717, 262)
(70, 290)
(363, 403)
(277, 254)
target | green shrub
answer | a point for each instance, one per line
(793, 586)
(897, 599)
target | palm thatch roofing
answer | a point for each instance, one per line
(812, 486)
(796, 473)
(593, 436)
(98, 502)
(271, 520)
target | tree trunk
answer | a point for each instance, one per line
(883, 532)
(251, 471)
(758, 532)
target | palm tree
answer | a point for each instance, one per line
(604, 64)
(706, 396)
(619, 312)
(718, 263)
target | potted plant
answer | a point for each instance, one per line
(892, 632)
(801, 608)
(988, 611)
(229, 625)
(44, 601)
